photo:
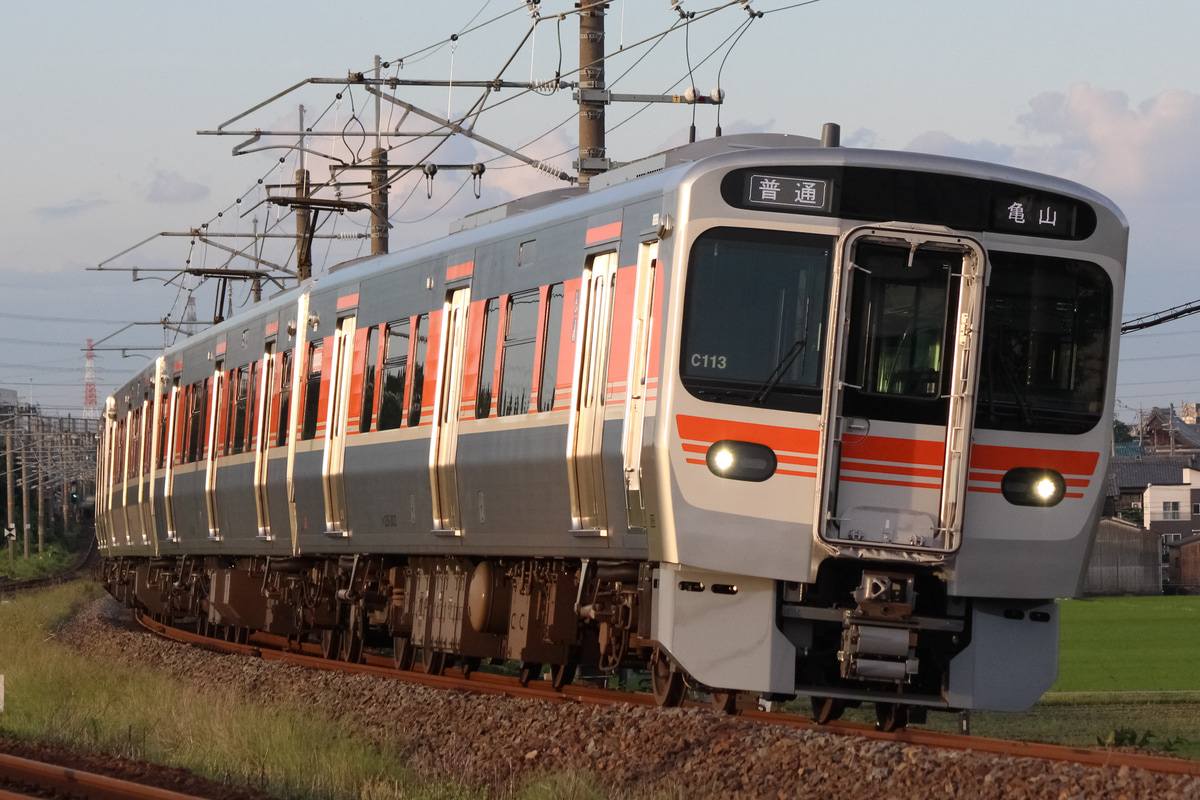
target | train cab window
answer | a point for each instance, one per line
(418, 371)
(487, 359)
(312, 391)
(368, 389)
(1045, 345)
(520, 338)
(552, 338)
(900, 308)
(285, 400)
(754, 310)
(395, 370)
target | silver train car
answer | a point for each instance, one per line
(755, 414)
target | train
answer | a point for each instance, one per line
(758, 415)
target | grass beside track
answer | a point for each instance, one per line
(53, 693)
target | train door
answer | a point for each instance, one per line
(341, 365)
(444, 439)
(635, 395)
(210, 468)
(262, 438)
(585, 431)
(900, 397)
(173, 419)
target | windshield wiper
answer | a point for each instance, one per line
(780, 369)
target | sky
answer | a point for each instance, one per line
(103, 101)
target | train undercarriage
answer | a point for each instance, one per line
(878, 636)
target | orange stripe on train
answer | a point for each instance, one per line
(703, 429)
(1002, 459)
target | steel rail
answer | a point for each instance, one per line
(264, 646)
(77, 784)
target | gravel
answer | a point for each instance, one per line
(635, 751)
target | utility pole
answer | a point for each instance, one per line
(379, 181)
(41, 485)
(25, 487)
(592, 160)
(8, 466)
(303, 188)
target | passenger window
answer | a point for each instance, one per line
(552, 338)
(418, 371)
(368, 388)
(285, 401)
(487, 360)
(312, 392)
(516, 379)
(395, 370)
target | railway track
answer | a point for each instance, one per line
(22, 778)
(84, 561)
(276, 648)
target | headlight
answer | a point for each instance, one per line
(741, 461)
(1033, 486)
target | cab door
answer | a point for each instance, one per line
(900, 391)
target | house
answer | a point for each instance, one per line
(1125, 559)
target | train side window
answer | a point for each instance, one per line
(552, 338)
(368, 389)
(395, 370)
(312, 391)
(1046, 331)
(135, 443)
(239, 397)
(285, 400)
(164, 427)
(197, 427)
(520, 338)
(487, 359)
(418, 371)
(250, 406)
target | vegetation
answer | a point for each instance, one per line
(61, 546)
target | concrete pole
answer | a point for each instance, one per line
(41, 485)
(591, 77)
(303, 190)
(8, 466)
(25, 488)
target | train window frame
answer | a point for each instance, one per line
(366, 412)
(700, 370)
(283, 433)
(314, 365)
(420, 345)
(1036, 405)
(485, 388)
(519, 354)
(551, 346)
(394, 373)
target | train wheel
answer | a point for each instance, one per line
(890, 717)
(331, 639)
(724, 701)
(433, 660)
(350, 648)
(403, 652)
(827, 709)
(561, 675)
(529, 671)
(666, 680)
(469, 664)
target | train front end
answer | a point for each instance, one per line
(888, 388)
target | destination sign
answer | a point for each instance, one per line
(793, 193)
(1034, 214)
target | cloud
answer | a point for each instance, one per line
(173, 188)
(1095, 137)
(74, 208)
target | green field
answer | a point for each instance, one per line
(1130, 644)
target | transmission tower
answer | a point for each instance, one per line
(90, 409)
